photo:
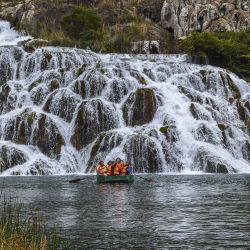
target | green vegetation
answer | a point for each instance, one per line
(229, 50)
(22, 233)
(222, 127)
(83, 26)
(164, 130)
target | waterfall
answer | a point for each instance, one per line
(9, 36)
(64, 109)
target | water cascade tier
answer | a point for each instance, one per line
(8, 36)
(64, 109)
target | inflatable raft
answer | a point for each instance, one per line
(115, 179)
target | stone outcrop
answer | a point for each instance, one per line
(140, 107)
(92, 118)
(182, 17)
(31, 128)
(10, 156)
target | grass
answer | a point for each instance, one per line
(23, 233)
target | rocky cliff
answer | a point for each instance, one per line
(185, 16)
(180, 17)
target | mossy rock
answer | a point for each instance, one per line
(43, 134)
(34, 44)
(10, 157)
(31, 117)
(91, 85)
(194, 111)
(62, 104)
(227, 81)
(81, 70)
(241, 111)
(48, 144)
(219, 168)
(248, 124)
(103, 145)
(234, 89)
(96, 146)
(140, 107)
(4, 95)
(143, 153)
(247, 106)
(164, 130)
(54, 84)
(34, 84)
(222, 127)
(138, 77)
(93, 117)
(203, 73)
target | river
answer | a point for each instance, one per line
(174, 212)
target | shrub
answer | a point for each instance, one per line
(83, 25)
(225, 49)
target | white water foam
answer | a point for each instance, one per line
(8, 36)
(177, 84)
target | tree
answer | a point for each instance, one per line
(82, 25)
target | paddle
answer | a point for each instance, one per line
(76, 180)
(145, 179)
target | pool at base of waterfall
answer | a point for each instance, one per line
(175, 211)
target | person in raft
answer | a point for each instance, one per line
(114, 168)
(101, 168)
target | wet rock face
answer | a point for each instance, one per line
(30, 128)
(204, 161)
(140, 107)
(103, 145)
(92, 118)
(62, 103)
(10, 156)
(183, 17)
(143, 153)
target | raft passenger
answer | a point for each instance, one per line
(129, 168)
(119, 165)
(110, 168)
(100, 168)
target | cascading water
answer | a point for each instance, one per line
(63, 109)
(9, 36)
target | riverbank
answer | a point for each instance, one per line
(20, 231)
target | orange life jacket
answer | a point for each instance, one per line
(102, 170)
(124, 170)
(109, 169)
(116, 169)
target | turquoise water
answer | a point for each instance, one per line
(174, 212)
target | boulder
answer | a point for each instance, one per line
(10, 157)
(90, 83)
(102, 147)
(143, 153)
(62, 103)
(31, 128)
(93, 117)
(140, 107)
(34, 44)
(209, 163)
